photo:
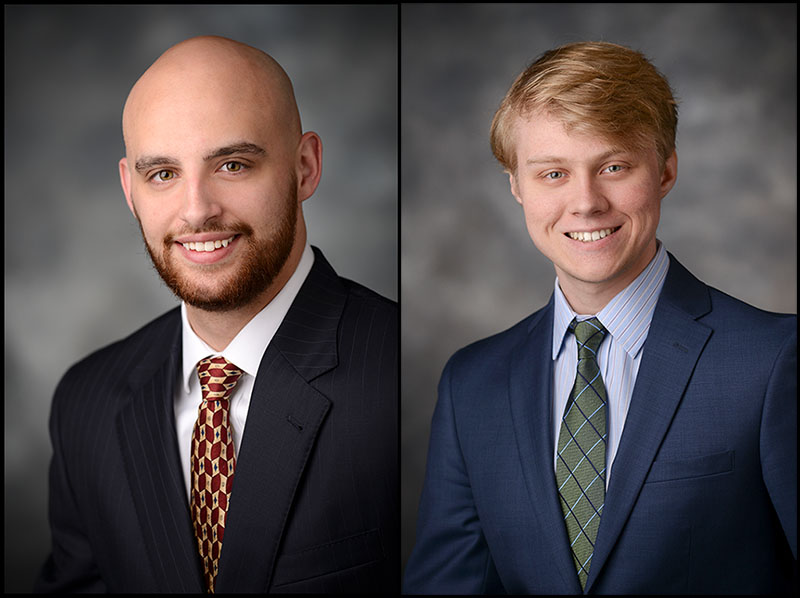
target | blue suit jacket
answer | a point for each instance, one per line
(314, 506)
(703, 493)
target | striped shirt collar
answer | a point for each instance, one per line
(628, 315)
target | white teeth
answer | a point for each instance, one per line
(591, 236)
(208, 245)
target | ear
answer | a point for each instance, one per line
(512, 181)
(308, 164)
(670, 174)
(125, 180)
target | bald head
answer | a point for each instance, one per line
(210, 77)
(215, 152)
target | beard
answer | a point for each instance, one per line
(260, 262)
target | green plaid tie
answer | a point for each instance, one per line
(581, 466)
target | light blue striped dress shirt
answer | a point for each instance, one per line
(627, 319)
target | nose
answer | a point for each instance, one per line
(199, 204)
(588, 198)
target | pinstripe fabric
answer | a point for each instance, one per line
(627, 319)
(245, 350)
(99, 492)
(316, 505)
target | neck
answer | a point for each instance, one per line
(218, 328)
(586, 303)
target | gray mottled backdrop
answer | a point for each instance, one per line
(468, 267)
(76, 274)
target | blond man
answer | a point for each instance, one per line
(638, 433)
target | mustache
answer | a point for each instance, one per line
(237, 228)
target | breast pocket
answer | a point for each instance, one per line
(339, 555)
(696, 467)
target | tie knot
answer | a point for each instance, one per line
(217, 376)
(589, 334)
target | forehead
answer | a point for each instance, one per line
(201, 120)
(543, 138)
(542, 133)
(175, 109)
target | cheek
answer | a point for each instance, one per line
(646, 205)
(154, 232)
(264, 210)
(540, 213)
(146, 213)
(540, 219)
(157, 218)
(639, 201)
(254, 206)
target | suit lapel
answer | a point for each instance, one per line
(674, 343)
(530, 395)
(146, 429)
(284, 420)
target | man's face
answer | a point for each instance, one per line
(590, 208)
(210, 176)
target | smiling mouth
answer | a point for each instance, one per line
(201, 246)
(595, 235)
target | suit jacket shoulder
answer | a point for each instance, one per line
(87, 471)
(685, 293)
(485, 363)
(114, 366)
(709, 438)
(316, 475)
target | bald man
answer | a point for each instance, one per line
(245, 441)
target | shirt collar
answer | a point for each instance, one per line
(248, 346)
(627, 316)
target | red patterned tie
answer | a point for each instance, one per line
(213, 460)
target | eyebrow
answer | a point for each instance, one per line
(147, 162)
(557, 160)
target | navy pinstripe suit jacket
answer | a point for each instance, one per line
(315, 505)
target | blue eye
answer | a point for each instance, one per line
(617, 167)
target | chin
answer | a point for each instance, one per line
(588, 274)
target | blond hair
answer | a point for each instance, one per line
(597, 88)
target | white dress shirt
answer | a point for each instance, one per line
(244, 351)
(627, 319)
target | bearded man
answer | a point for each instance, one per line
(245, 441)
